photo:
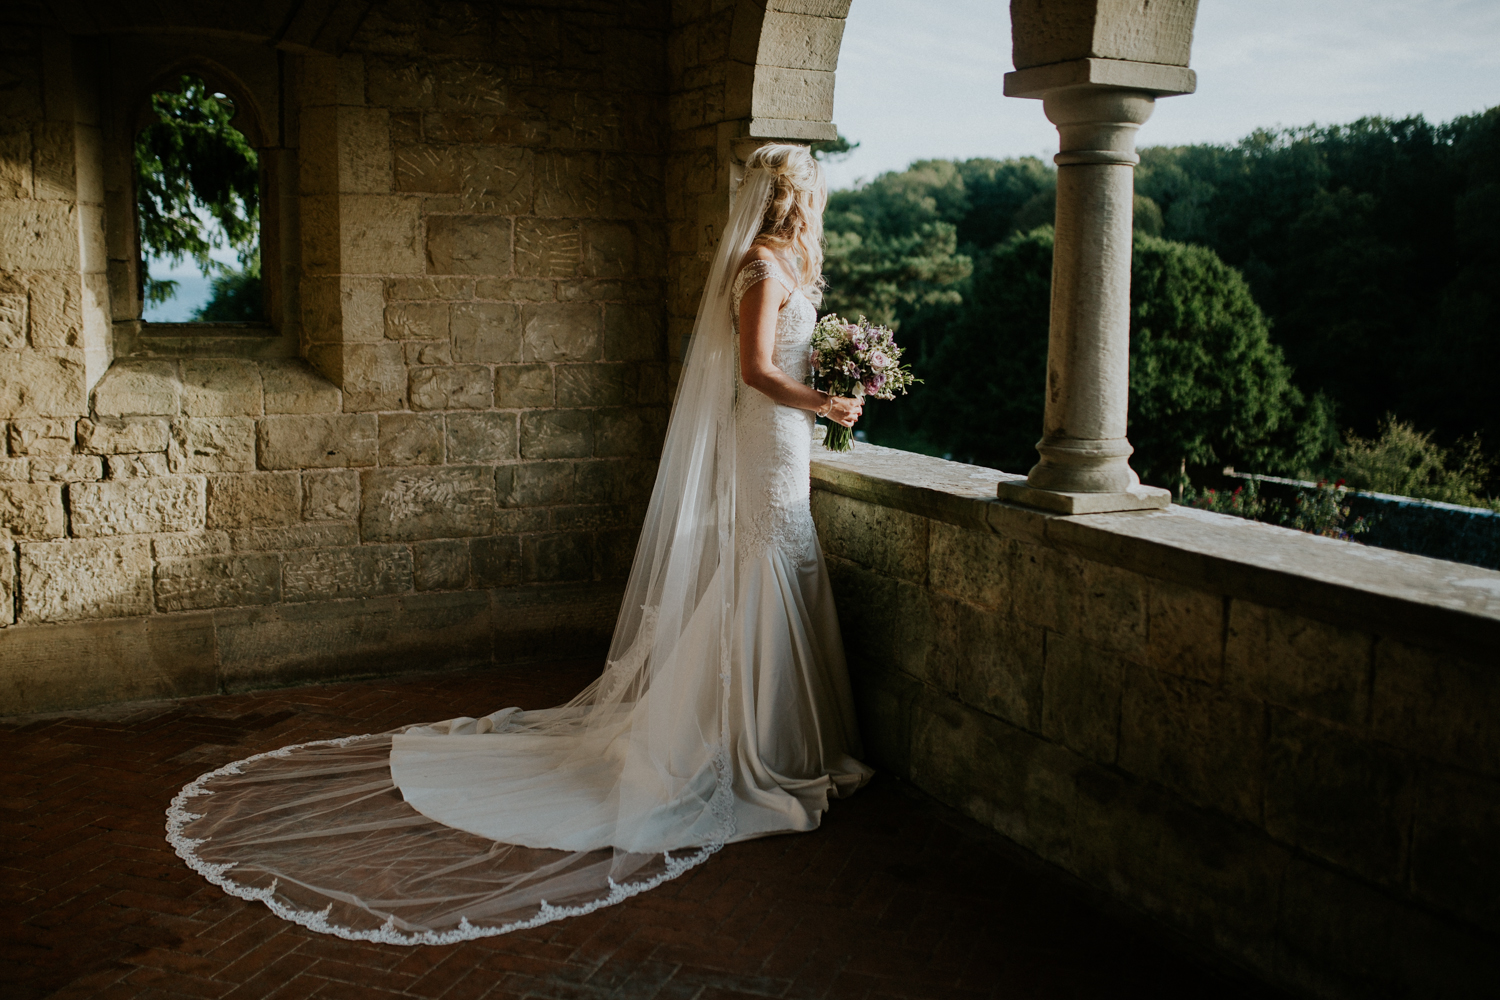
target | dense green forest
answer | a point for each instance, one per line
(1295, 297)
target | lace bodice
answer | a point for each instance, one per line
(773, 441)
(794, 324)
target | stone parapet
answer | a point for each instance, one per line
(1285, 747)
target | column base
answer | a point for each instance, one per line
(1058, 502)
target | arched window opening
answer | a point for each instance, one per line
(197, 194)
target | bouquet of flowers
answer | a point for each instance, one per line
(855, 360)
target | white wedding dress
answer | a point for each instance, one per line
(723, 712)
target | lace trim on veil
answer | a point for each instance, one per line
(324, 822)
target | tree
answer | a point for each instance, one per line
(1371, 246)
(1207, 385)
(197, 184)
(237, 297)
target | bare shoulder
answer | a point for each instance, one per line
(756, 253)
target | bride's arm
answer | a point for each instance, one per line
(758, 309)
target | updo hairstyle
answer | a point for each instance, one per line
(793, 221)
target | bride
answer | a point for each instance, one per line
(723, 712)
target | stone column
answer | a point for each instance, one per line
(1098, 98)
(1083, 444)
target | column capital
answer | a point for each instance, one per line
(1153, 78)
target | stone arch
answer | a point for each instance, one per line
(756, 72)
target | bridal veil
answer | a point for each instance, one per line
(544, 814)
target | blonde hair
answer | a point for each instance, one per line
(793, 219)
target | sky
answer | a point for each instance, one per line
(923, 78)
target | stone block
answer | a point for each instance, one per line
(440, 565)
(1438, 705)
(138, 388)
(418, 353)
(1114, 609)
(387, 635)
(378, 234)
(624, 433)
(495, 561)
(1048, 588)
(136, 506)
(609, 249)
(973, 566)
(56, 302)
(468, 244)
(1195, 739)
(221, 387)
(7, 581)
(211, 444)
(597, 385)
(548, 248)
(615, 481)
(374, 377)
(41, 437)
(32, 510)
(541, 484)
(561, 332)
(486, 333)
(891, 542)
(1081, 697)
(194, 543)
(634, 333)
(67, 469)
(316, 441)
(996, 661)
(339, 574)
(498, 178)
(1185, 631)
(330, 496)
(556, 434)
(411, 439)
(1338, 796)
(481, 437)
(557, 557)
(428, 169)
(15, 470)
(217, 581)
(136, 466)
(364, 160)
(257, 500)
(53, 668)
(1341, 936)
(452, 387)
(1299, 663)
(516, 290)
(123, 436)
(416, 321)
(524, 386)
(95, 578)
(325, 535)
(1455, 851)
(33, 384)
(567, 185)
(411, 504)
(291, 386)
(40, 235)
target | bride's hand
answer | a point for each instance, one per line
(842, 410)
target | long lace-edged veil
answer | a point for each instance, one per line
(548, 813)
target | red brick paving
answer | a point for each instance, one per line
(894, 897)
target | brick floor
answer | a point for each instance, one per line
(895, 897)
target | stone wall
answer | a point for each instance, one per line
(485, 228)
(1285, 747)
(457, 472)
